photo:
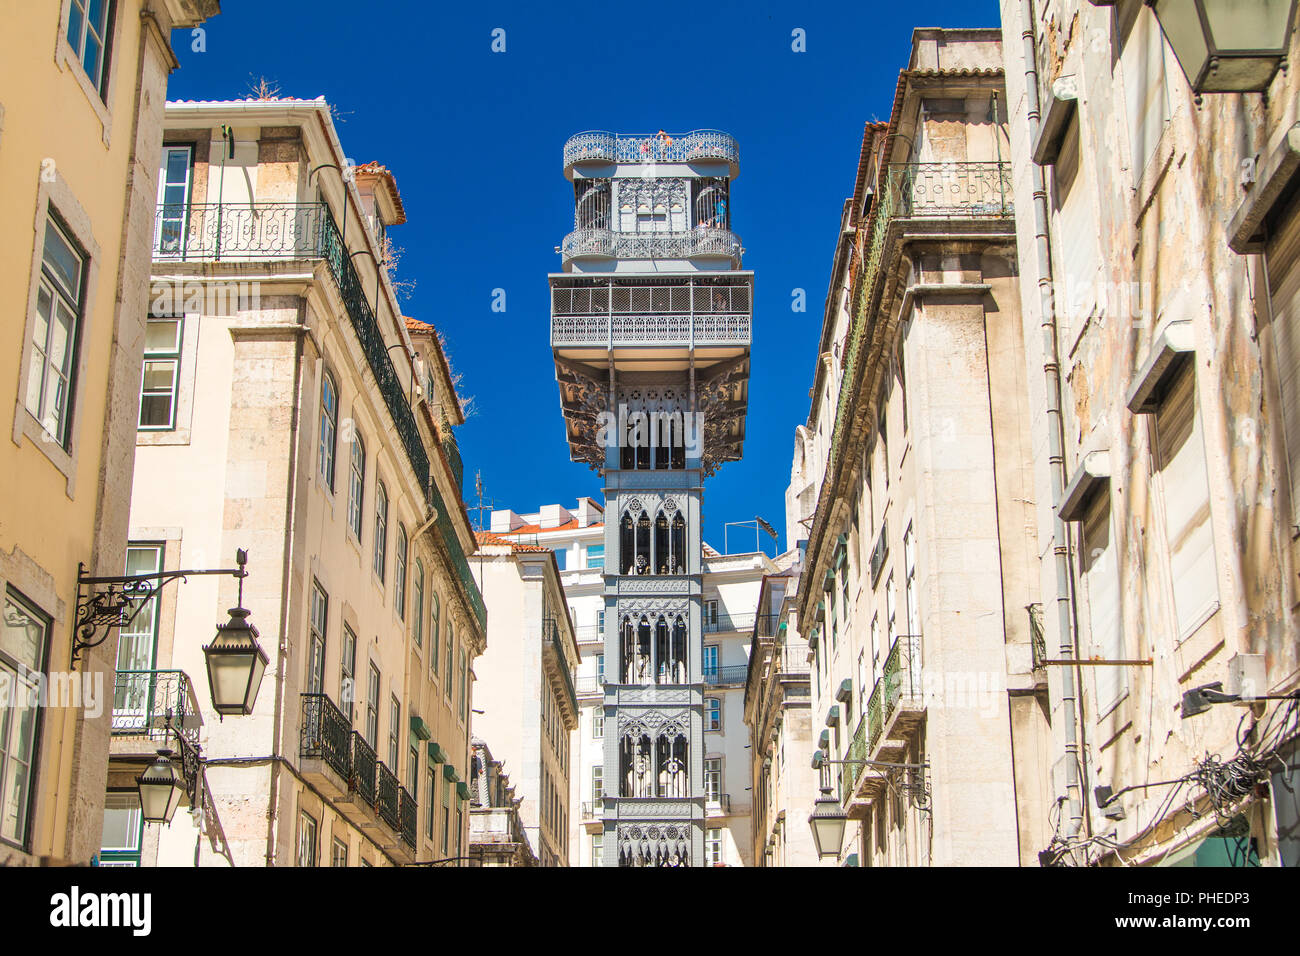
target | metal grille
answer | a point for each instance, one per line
(324, 733)
(364, 765)
(389, 798)
(265, 230)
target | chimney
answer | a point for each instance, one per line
(503, 522)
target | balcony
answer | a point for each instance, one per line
(410, 814)
(602, 146)
(733, 675)
(591, 685)
(717, 804)
(363, 767)
(672, 311)
(557, 662)
(701, 242)
(239, 231)
(903, 702)
(592, 811)
(589, 634)
(150, 704)
(721, 623)
(924, 196)
(389, 802)
(324, 744)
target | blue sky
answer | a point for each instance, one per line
(474, 138)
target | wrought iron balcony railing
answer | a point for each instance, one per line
(325, 734)
(410, 816)
(603, 146)
(590, 685)
(147, 703)
(364, 766)
(240, 231)
(732, 674)
(390, 387)
(695, 310)
(589, 633)
(958, 191)
(714, 624)
(608, 243)
(718, 801)
(902, 673)
(388, 802)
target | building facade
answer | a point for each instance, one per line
(778, 711)
(80, 127)
(526, 698)
(290, 409)
(497, 834)
(913, 478)
(650, 330)
(1158, 232)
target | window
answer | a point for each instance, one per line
(1146, 94)
(595, 556)
(417, 622)
(348, 672)
(600, 668)
(356, 484)
(399, 575)
(123, 828)
(1181, 448)
(1101, 575)
(434, 623)
(713, 779)
(598, 787)
(162, 359)
(372, 709)
(711, 615)
(600, 620)
(173, 201)
(340, 854)
(55, 332)
(306, 839)
(329, 429)
(712, 713)
(316, 655)
(431, 813)
(394, 723)
(1076, 235)
(413, 771)
(89, 23)
(446, 814)
(135, 691)
(597, 848)
(909, 587)
(464, 685)
(713, 846)
(711, 663)
(381, 530)
(891, 617)
(451, 641)
(597, 723)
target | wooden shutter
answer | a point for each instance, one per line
(1142, 63)
(1187, 504)
(1101, 575)
(1284, 288)
(1076, 236)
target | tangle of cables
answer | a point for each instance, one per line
(1224, 783)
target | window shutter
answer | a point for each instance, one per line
(1077, 235)
(1142, 63)
(1101, 573)
(1187, 504)
(1284, 287)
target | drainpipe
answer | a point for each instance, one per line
(1055, 436)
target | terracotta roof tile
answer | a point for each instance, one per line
(538, 529)
(488, 538)
(415, 325)
(383, 173)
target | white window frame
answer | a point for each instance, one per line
(356, 484)
(380, 563)
(78, 32)
(710, 711)
(327, 455)
(170, 357)
(55, 418)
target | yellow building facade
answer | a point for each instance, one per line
(82, 88)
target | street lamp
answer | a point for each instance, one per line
(1227, 46)
(827, 819)
(161, 786)
(235, 661)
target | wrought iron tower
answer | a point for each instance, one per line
(650, 329)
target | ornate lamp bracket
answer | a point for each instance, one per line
(104, 603)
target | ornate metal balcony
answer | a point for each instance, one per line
(902, 673)
(603, 146)
(729, 622)
(325, 733)
(551, 634)
(147, 703)
(607, 243)
(729, 676)
(410, 815)
(364, 766)
(241, 231)
(389, 798)
(681, 311)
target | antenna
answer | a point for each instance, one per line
(483, 504)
